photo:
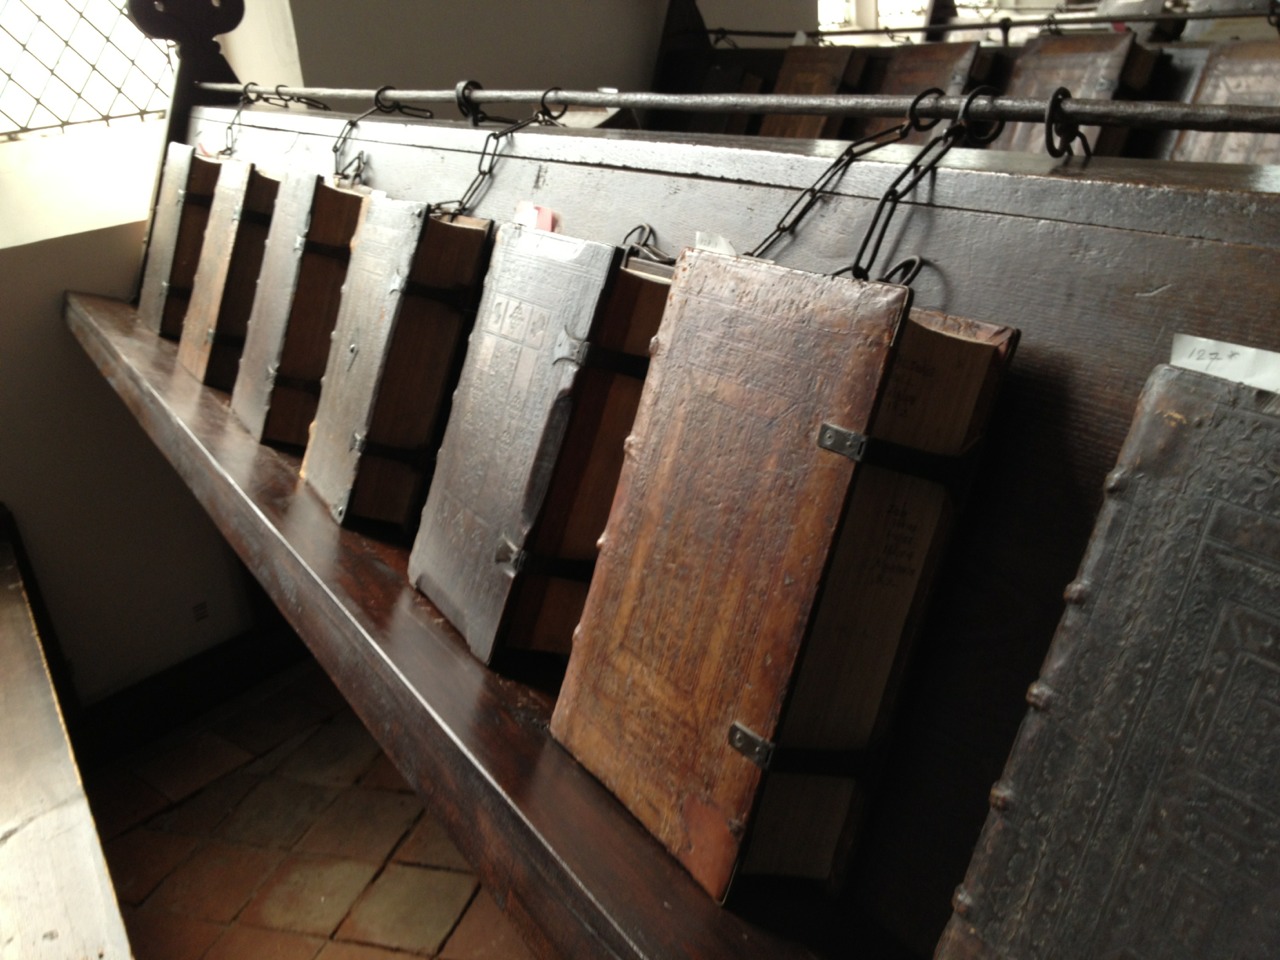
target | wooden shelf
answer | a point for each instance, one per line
(568, 864)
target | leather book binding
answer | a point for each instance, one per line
(1138, 814)
(778, 514)
(217, 319)
(177, 233)
(542, 296)
(409, 303)
(304, 266)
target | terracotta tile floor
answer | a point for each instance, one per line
(275, 829)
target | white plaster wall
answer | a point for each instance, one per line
(433, 44)
(120, 547)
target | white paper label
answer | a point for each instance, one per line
(1247, 365)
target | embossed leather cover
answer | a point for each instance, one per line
(721, 530)
(213, 331)
(409, 302)
(177, 233)
(1139, 812)
(287, 345)
(1246, 73)
(541, 297)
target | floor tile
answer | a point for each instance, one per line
(276, 812)
(251, 943)
(200, 815)
(409, 908)
(270, 761)
(120, 800)
(383, 775)
(485, 934)
(359, 951)
(160, 935)
(261, 725)
(190, 764)
(429, 846)
(141, 858)
(337, 755)
(362, 824)
(216, 882)
(308, 894)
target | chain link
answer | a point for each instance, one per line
(821, 187)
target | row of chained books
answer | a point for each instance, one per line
(718, 487)
(718, 491)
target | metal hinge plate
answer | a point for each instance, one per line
(847, 443)
(751, 745)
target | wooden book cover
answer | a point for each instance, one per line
(546, 599)
(304, 266)
(908, 70)
(177, 233)
(541, 298)
(1246, 73)
(213, 331)
(813, 70)
(721, 530)
(1094, 66)
(401, 330)
(1138, 815)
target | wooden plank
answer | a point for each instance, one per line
(1137, 815)
(56, 897)
(570, 867)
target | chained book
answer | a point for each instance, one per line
(398, 343)
(213, 331)
(1138, 814)
(790, 477)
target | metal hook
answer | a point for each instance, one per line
(966, 124)
(247, 96)
(548, 115)
(470, 111)
(720, 36)
(386, 104)
(914, 119)
(909, 269)
(645, 245)
(1059, 132)
(340, 172)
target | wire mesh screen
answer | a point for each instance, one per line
(65, 62)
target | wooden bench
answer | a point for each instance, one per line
(56, 897)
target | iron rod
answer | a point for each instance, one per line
(1003, 23)
(1143, 115)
